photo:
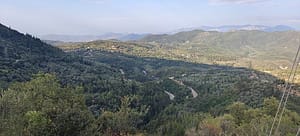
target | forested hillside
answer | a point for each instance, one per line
(217, 86)
(253, 49)
(21, 56)
(124, 88)
(271, 52)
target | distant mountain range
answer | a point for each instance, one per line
(133, 36)
(86, 38)
(228, 28)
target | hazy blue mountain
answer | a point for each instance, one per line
(135, 36)
(131, 37)
(68, 38)
(227, 28)
(279, 28)
(87, 38)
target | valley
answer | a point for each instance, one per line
(181, 84)
(268, 52)
(149, 68)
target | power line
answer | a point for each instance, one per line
(286, 93)
(298, 131)
(286, 99)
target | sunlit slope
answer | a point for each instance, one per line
(270, 52)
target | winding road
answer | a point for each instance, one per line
(194, 93)
(171, 96)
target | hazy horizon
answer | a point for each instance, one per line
(94, 17)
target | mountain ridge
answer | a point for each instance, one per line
(138, 36)
(87, 38)
(228, 28)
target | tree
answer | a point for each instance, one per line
(270, 106)
(123, 122)
(42, 107)
(237, 110)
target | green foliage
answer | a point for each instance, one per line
(123, 122)
(37, 123)
(247, 121)
(270, 105)
(174, 116)
(42, 107)
(237, 111)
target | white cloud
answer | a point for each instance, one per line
(293, 20)
(236, 1)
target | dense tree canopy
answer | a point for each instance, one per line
(42, 107)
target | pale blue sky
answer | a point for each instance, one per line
(142, 16)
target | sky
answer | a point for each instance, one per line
(92, 17)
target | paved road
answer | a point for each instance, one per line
(171, 96)
(194, 93)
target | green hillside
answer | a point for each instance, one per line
(131, 88)
(21, 56)
(270, 52)
(275, 48)
(217, 86)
